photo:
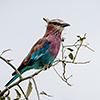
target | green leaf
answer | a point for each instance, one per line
(71, 56)
(70, 49)
(29, 89)
(8, 98)
(18, 95)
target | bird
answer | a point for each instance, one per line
(44, 50)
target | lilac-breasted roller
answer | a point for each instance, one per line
(45, 49)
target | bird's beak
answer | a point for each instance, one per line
(65, 24)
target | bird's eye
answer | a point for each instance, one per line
(50, 23)
(55, 23)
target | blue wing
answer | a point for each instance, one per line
(36, 59)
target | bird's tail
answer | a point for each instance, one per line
(15, 77)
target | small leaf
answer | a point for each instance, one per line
(78, 36)
(9, 60)
(85, 34)
(8, 98)
(44, 93)
(71, 56)
(70, 49)
(18, 94)
(29, 89)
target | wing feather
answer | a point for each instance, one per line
(33, 54)
(39, 44)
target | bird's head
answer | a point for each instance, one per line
(56, 24)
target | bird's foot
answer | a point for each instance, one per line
(47, 66)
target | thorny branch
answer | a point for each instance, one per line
(78, 44)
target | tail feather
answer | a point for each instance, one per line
(15, 77)
(22, 66)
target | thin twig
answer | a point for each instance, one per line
(62, 51)
(36, 88)
(77, 51)
(59, 60)
(64, 70)
(55, 62)
(11, 66)
(75, 45)
(63, 63)
(22, 92)
(62, 78)
(85, 62)
(44, 93)
(5, 51)
(7, 93)
(90, 48)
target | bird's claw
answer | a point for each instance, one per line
(47, 66)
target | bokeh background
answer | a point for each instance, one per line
(21, 25)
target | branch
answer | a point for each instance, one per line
(7, 93)
(22, 92)
(36, 88)
(11, 66)
(75, 45)
(59, 60)
(5, 51)
(20, 80)
(62, 78)
(77, 51)
(85, 62)
(63, 61)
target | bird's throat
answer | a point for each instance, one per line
(51, 29)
